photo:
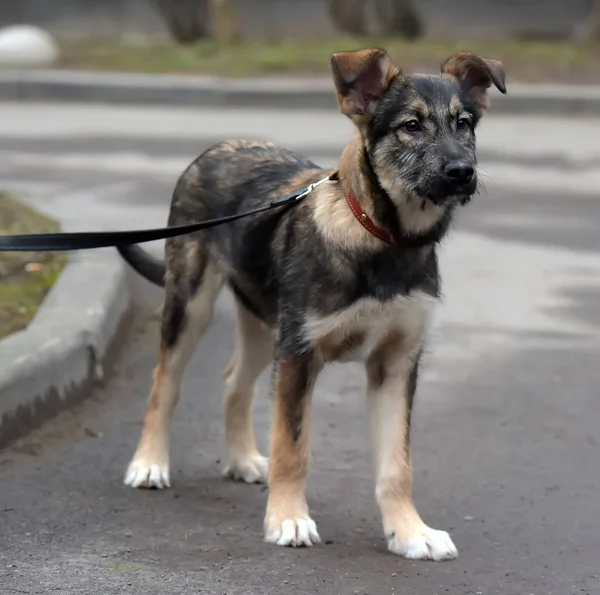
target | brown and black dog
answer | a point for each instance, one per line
(348, 274)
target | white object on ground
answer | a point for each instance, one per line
(27, 45)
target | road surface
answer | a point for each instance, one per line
(506, 435)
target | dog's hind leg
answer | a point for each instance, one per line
(191, 291)
(228, 369)
(253, 352)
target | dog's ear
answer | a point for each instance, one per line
(361, 78)
(476, 75)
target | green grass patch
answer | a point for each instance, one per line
(527, 61)
(25, 277)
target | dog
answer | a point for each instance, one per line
(350, 273)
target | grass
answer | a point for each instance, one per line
(25, 277)
(526, 61)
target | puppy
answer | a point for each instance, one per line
(349, 273)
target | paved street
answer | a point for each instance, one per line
(506, 440)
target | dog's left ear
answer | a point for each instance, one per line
(361, 78)
(477, 75)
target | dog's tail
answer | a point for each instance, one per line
(145, 264)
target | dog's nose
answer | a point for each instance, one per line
(460, 172)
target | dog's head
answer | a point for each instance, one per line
(418, 130)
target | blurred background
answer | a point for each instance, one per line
(281, 18)
(539, 40)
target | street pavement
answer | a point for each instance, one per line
(506, 437)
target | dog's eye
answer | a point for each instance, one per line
(412, 126)
(462, 123)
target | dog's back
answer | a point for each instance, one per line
(235, 177)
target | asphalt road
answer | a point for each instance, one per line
(506, 439)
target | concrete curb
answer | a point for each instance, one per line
(290, 93)
(69, 345)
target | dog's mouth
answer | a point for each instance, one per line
(450, 194)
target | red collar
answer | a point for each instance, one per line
(366, 221)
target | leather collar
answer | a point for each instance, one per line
(379, 232)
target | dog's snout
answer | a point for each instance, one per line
(460, 172)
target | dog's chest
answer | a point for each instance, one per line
(354, 333)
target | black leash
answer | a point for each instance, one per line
(63, 242)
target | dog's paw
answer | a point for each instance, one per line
(299, 532)
(143, 474)
(252, 469)
(426, 544)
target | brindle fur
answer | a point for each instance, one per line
(312, 285)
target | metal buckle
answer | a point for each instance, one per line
(292, 197)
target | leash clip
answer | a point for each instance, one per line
(295, 196)
(311, 187)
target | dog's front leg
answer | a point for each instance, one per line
(391, 387)
(287, 521)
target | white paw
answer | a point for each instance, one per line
(428, 544)
(293, 533)
(141, 474)
(251, 469)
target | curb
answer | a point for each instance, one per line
(282, 93)
(68, 347)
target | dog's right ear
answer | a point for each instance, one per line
(361, 78)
